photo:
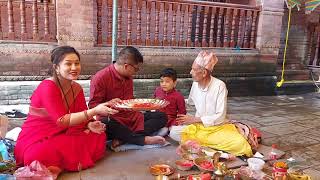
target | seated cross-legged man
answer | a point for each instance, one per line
(115, 83)
(209, 126)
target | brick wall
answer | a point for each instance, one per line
(14, 93)
(75, 23)
(297, 57)
(31, 62)
(297, 41)
(34, 60)
(76, 26)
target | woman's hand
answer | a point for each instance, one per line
(97, 127)
(103, 109)
(183, 119)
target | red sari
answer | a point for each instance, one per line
(43, 139)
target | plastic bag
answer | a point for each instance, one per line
(10, 146)
(3, 151)
(13, 134)
(35, 170)
(7, 161)
(7, 177)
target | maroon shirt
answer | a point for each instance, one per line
(176, 106)
(108, 84)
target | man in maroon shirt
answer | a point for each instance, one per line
(115, 82)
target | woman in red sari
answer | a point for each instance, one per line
(59, 131)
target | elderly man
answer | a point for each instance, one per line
(209, 126)
(115, 82)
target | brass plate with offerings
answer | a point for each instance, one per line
(141, 104)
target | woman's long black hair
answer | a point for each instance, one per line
(57, 55)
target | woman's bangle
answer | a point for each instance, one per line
(86, 115)
(64, 120)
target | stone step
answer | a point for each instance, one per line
(298, 87)
(290, 75)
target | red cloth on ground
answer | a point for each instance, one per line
(51, 144)
(176, 106)
(108, 84)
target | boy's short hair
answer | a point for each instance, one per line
(169, 72)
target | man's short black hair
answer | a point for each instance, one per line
(130, 55)
(169, 72)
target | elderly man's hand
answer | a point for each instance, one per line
(183, 119)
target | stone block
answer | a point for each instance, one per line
(26, 91)
(14, 102)
(3, 93)
(151, 88)
(13, 88)
(12, 97)
(28, 87)
(24, 101)
(24, 96)
(4, 102)
(138, 88)
(13, 92)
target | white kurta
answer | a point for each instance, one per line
(210, 103)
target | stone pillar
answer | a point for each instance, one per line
(75, 23)
(269, 29)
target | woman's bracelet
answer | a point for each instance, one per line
(86, 115)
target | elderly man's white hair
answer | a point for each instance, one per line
(206, 60)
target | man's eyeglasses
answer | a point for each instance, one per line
(136, 68)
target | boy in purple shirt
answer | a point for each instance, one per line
(167, 91)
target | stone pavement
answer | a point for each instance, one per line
(291, 122)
